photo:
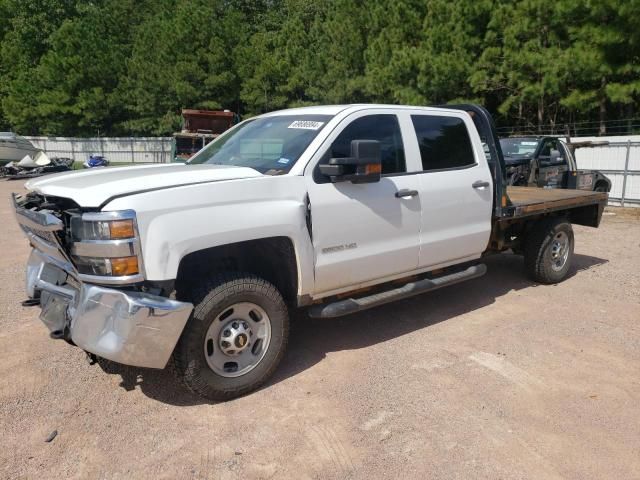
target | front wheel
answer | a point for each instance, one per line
(235, 337)
(548, 250)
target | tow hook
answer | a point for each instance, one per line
(91, 358)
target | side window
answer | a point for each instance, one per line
(444, 142)
(383, 128)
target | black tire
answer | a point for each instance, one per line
(601, 187)
(216, 295)
(539, 247)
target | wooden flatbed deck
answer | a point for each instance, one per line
(531, 200)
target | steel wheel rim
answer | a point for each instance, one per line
(559, 251)
(237, 339)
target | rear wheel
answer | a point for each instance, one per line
(601, 187)
(548, 250)
(235, 338)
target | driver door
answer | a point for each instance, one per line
(552, 164)
(364, 232)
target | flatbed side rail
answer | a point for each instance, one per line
(583, 207)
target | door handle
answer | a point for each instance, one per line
(480, 184)
(406, 193)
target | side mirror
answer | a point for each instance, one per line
(556, 157)
(363, 166)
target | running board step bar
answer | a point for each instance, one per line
(352, 305)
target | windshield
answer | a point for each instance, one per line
(518, 147)
(270, 145)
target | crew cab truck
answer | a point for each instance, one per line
(334, 209)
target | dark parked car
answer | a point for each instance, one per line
(548, 162)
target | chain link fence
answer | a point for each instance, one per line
(625, 126)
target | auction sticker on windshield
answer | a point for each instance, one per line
(306, 124)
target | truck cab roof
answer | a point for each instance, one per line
(350, 108)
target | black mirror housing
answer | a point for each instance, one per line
(366, 151)
(363, 166)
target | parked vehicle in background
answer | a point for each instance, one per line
(549, 162)
(95, 161)
(332, 208)
(199, 128)
(14, 147)
(37, 166)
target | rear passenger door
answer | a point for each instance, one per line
(456, 189)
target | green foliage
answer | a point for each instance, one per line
(453, 41)
(392, 51)
(27, 26)
(182, 58)
(525, 63)
(604, 45)
(69, 67)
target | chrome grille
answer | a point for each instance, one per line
(43, 234)
(41, 226)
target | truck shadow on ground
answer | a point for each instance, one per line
(311, 339)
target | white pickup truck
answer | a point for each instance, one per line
(326, 208)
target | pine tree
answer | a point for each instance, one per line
(525, 61)
(605, 56)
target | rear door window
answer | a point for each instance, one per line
(444, 142)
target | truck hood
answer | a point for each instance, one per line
(93, 187)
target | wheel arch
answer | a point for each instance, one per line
(538, 262)
(272, 258)
(604, 181)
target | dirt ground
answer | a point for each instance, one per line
(493, 378)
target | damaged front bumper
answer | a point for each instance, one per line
(127, 327)
(122, 325)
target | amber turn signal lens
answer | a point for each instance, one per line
(124, 266)
(121, 229)
(373, 168)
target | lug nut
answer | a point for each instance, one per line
(226, 333)
(235, 325)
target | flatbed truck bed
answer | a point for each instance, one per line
(523, 207)
(530, 200)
